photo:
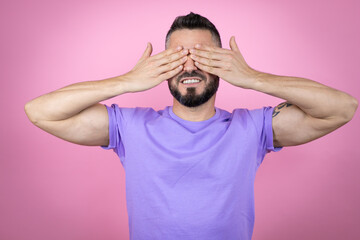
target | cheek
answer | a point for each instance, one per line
(172, 83)
(208, 75)
(209, 78)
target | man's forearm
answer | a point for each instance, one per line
(66, 102)
(70, 100)
(315, 99)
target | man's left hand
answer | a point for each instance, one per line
(228, 64)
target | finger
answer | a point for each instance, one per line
(171, 58)
(170, 74)
(210, 62)
(208, 48)
(234, 47)
(167, 52)
(208, 54)
(147, 52)
(212, 70)
(233, 44)
(171, 66)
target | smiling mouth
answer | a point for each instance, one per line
(190, 81)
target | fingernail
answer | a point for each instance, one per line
(185, 51)
(192, 50)
(179, 48)
(197, 45)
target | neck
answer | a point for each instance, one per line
(195, 114)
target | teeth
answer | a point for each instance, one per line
(191, 81)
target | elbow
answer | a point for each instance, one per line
(29, 111)
(350, 109)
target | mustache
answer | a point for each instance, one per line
(191, 74)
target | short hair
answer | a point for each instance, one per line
(193, 21)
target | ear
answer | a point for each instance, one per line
(147, 52)
(233, 44)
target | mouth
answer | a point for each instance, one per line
(191, 81)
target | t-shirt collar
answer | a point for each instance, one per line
(179, 119)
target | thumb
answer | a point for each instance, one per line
(233, 44)
(148, 51)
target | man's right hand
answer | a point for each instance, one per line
(73, 113)
(150, 71)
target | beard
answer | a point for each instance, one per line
(191, 99)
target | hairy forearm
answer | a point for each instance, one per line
(70, 100)
(315, 99)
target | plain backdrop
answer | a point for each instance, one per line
(52, 189)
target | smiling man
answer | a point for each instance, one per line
(193, 87)
(190, 168)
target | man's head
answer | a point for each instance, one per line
(187, 31)
(193, 21)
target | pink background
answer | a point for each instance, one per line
(51, 189)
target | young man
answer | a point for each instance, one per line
(190, 168)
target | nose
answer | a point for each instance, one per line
(189, 65)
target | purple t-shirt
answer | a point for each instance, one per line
(190, 180)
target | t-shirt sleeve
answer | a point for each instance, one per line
(118, 118)
(262, 120)
(266, 137)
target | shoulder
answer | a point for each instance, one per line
(132, 113)
(259, 116)
(255, 114)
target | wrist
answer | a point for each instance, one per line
(116, 85)
(254, 79)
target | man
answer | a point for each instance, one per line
(190, 168)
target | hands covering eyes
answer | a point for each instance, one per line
(228, 64)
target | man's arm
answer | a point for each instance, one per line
(73, 113)
(311, 109)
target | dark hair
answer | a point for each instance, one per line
(193, 21)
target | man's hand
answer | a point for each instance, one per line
(150, 71)
(229, 65)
